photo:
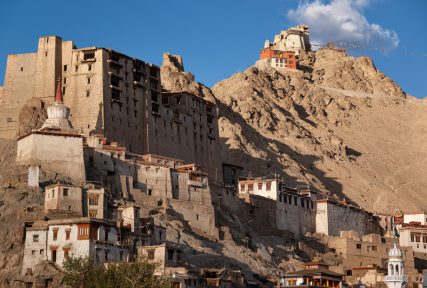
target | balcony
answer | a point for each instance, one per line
(114, 63)
(138, 83)
(175, 117)
(138, 71)
(195, 183)
(396, 278)
(115, 87)
(154, 73)
(155, 109)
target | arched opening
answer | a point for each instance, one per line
(397, 269)
(101, 233)
(391, 269)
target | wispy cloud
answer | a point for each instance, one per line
(342, 20)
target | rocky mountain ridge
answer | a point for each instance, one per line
(338, 125)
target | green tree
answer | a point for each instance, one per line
(83, 273)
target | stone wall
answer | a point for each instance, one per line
(332, 218)
(18, 88)
(200, 217)
(53, 153)
(296, 214)
(259, 213)
(268, 216)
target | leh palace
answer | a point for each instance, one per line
(129, 163)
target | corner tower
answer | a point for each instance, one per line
(396, 277)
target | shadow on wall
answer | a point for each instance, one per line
(271, 163)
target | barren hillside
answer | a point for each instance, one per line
(340, 126)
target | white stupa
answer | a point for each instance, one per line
(58, 114)
(396, 277)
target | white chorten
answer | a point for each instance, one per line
(396, 277)
(58, 113)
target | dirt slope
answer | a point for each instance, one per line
(340, 126)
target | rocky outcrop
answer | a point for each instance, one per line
(31, 116)
(175, 79)
(334, 69)
(338, 125)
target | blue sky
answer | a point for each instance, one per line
(218, 38)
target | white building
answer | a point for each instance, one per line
(414, 235)
(268, 188)
(420, 217)
(55, 240)
(396, 277)
(294, 39)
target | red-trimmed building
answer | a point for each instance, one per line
(279, 59)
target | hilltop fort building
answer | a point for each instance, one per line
(286, 48)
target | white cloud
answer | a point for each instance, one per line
(342, 20)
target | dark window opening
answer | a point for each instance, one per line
(170, 254)
(53, 255)
(115, 95)
(115, 81)
(150, 254)
(88, 56)
(153, 84)
(153, 72)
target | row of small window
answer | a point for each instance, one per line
(417, 238)
(54, 235)
(64, 192)
(87, 91)
(368, 248)
(194, 137)
(34, 252)
(281, 60)
(260, 186)
(76, 69)
(424, 246)
(139, 66)
(171, 252)
(304, 202)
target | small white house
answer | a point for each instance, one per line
(55, 240)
